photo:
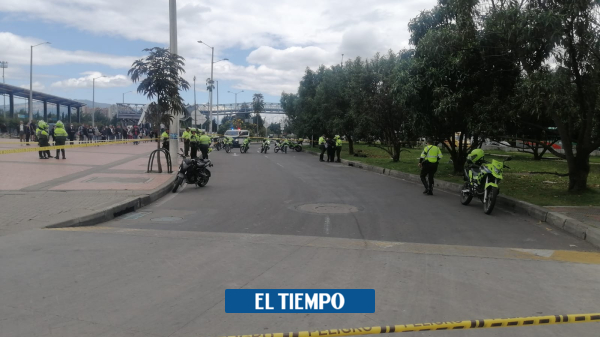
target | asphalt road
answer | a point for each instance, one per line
(162, 271)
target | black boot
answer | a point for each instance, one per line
(430, 191)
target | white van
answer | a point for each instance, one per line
(238, 136)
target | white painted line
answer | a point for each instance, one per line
(279, 164)
(266, 157)
(327, 225)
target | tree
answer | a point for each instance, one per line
(159, 75)
(275, 128)
(258, 105)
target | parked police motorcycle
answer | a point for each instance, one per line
(192, 171)
(482, 179)
(266, 145)
(297, 147)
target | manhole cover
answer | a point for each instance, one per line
(327, 208)
(166, 219)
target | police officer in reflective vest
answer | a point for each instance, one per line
(338, 148)
(428, 163)
(60, 136)
(165, 139)
(194, 138)
(322, 147)
(204, 142)
(186, 141)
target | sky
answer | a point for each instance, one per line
(268, 44)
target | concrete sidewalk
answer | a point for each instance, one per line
(37, 193)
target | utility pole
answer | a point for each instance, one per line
(174, 143)
(217, 106)
(30, 108)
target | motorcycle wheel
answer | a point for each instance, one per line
(241, 149)
(488, 205)
(227, 149)
(276, 150)
(465, 199)
(298, 148)
(178, 182)
(203, 181)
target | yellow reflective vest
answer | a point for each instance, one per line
(432, 154)
(164, 136)
(186, 135)
(321, 141)
(338, 142)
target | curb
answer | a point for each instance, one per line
(116, 210)
(572, 226)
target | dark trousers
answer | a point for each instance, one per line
(428, 169)
(194, 151)
(61, 150)
(165, 145)
(186, 147)
(338, 151)
(27, 137)
(322, 148)
(204, 150)
(330, 154)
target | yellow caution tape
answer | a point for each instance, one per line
(455, 325)
(58, 147)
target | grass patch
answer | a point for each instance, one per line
(539, 189)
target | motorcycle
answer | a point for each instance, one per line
(244, 148)
(482, 182)
(278, 147)
(192, 171)
(227, 147)
(296, 147)
(265, 147)
(218, 144)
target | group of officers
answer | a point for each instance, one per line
(60, 138)
(193, 140)
(333, 147)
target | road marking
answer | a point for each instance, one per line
(279, 164)
(266, 157)
(327, 225)
(235, 154)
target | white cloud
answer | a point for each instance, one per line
(16, 50)
(87, 81)
(281, 37)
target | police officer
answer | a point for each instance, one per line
(186, 141)
(60, 137)
(42, 136)
(194, 138)
(204, 142)
(428, 163)
(338, 148)
(165, 139)
(322, 146)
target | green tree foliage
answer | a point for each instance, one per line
(478, 69)
(160, 78)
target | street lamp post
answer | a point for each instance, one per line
(212, 63)
(124, 95)
(217, 106)
(236, 93)
(195, 105)
(4, 65)
(31, 80)
(94, 99)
